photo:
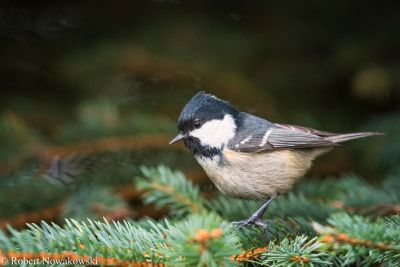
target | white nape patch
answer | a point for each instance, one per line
(247, 139)
(265, 138)
(216, 133)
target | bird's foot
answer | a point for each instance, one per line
(252, 221)
(256, 218)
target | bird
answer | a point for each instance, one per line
(248, 157)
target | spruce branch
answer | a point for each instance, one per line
(393, 226)
(278, 230)
(302, 251)
(232, 209)
(120, 241)
(297, 205)
(360, 227)
(365, 199)
(35, 195)
(251, 255)
(201, 240)
(291, 205)
(84, 202)
(355, 238)
(69, 257)
(350, 193)
(166, 188)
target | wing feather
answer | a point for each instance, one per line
(305, 129)
(281, 136)
(293, 138)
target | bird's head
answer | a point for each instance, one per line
(206, 124)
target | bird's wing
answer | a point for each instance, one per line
(277, 136)
(305, 129)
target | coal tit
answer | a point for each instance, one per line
(249, 157)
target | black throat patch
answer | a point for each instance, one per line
(198, 149)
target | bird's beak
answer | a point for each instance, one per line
(177, 138)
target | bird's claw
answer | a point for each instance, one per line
(251, 222)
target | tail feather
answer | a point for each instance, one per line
(349, 136)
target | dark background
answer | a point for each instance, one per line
(73, 72)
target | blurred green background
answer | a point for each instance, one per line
(90, 90)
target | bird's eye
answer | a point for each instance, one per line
(196, 123)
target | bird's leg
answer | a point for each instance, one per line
(256, 218)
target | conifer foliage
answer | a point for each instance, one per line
(197, 233)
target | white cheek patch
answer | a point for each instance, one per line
(215, 133)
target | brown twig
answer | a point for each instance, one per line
(346, 239)
(249, 255)
(108, 144)
(301, 259)
(113, 214)
(20, 220)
